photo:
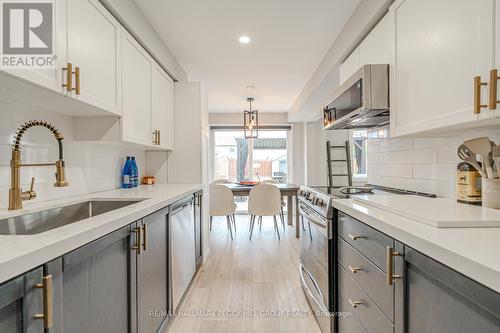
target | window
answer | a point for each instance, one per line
(237, 159)
(359, 153)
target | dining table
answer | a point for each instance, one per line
(287, 190)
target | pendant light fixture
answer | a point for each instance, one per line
(251, 121)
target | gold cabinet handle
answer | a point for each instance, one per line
(493, 100)
(477, 95)
(355, 304)
(77, 78)
(48, 313)
(69, 77)
(159, 137)
(356, 237)
(390, 265)
(354, 270)
(144, 236)
(137, 245)
(155, 137)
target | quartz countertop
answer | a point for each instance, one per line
(474, 252)
(21, 253)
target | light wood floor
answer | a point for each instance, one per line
(243, 276)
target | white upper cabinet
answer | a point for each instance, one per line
(136, 117)
(440, 47)
(49, 78)
(349, 66)
(494, 108)
(376, 48)
(162, 112)
(94, 38)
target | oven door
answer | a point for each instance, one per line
(314, 244)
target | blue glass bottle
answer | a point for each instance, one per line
(134, 173)
(126, 174)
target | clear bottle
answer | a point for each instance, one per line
(134, 172)
(127, 181)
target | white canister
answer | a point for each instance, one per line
(491, 193)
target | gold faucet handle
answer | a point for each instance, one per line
(31, 194)
(32, 184)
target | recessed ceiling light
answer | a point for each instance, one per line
(244, 39)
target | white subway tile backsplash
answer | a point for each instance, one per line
(373, 146)
(419, 164)
(393, 170)
(448, 154)
(396, 144)
(425, 171)
(428, 155)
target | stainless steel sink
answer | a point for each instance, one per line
(35, 223)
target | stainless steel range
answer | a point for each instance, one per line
(316, 254)
(318, 248)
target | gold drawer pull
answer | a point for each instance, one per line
(47, 316)
(356, 237)
(69, 77)
(355, 304)
(493, 100)
(390, 265)
(354, 270)
(137, 245)
(477, 95)
(144, 236)
(77, 78)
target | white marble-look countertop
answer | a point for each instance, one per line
(21, 253)
(474, 252)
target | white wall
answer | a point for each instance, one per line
(419, 164)
(90, 167)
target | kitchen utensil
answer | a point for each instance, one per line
(468, 156)
(491, 193)
(495, 151)
(482, 147)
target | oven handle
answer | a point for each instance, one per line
(316, 221)
(320, 305)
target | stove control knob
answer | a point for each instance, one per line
(319, 202)
(308, 195)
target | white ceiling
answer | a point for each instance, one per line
(289, 39)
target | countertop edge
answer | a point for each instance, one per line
(103, 225)
(481, 273)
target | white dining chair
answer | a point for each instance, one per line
(264, 200)
(222, 204)
(283, 203)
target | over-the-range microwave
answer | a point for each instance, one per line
(362, 101)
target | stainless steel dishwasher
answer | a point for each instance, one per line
(182, 248)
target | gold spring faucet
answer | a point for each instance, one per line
(16, 195)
